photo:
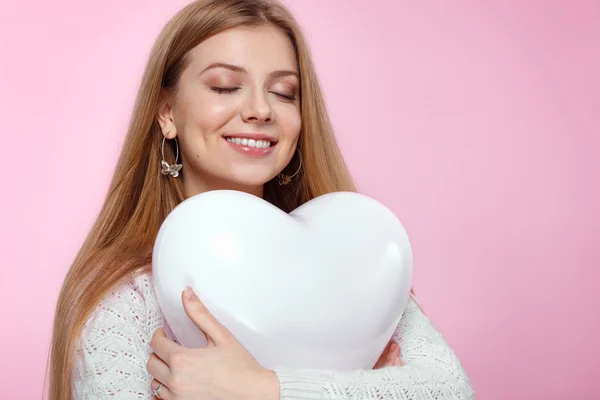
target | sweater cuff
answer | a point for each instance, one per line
(295, 384)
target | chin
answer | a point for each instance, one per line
(250, 176)
(251, 181)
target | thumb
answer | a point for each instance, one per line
(203, 318)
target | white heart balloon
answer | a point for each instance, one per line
(322, 287)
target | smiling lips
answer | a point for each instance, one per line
(253, 145)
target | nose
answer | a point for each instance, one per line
(257, 108)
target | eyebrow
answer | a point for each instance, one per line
(235, 68)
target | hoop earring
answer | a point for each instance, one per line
(167, 169)
(285, 179)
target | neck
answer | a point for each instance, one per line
(194, 186)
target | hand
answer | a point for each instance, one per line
(389, 357)
(223, 370)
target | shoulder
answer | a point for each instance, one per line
(132, 305)
(114, 344)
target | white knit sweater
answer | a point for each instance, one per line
(115, 346)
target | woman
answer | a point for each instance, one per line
(229, 100)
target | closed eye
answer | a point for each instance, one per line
(224, 90)
(233, 89)
(291, 98)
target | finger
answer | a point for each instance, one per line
(382, 359)
(163, 393)
(158, 369)
(397, 362)
(395, 350)
(203, 318)
(391, 356)
(162, 346)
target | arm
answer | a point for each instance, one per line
(430, 371)
(115, 346)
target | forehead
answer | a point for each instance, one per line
(259, 49)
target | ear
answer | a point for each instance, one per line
(165, 118)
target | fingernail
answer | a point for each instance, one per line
(189, 294)
(397, 363)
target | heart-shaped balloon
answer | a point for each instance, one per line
(322, 287)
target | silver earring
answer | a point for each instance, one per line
(285, 179)
(167, 169)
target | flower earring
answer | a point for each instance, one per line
(285, 179)
(168, 169)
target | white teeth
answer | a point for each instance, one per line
(259, 144)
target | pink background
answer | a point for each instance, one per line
(476, 122)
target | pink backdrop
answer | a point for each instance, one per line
(476, 122)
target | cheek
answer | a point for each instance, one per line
(208, 113)
(215, 111)
(289, 122)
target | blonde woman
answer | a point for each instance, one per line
(229, 100)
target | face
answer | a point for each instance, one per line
(236, 110)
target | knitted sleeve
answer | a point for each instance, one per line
(430, 371)
(115, 345)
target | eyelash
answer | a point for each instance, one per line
(231, 90)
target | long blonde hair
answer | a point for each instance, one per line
(120, 242)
